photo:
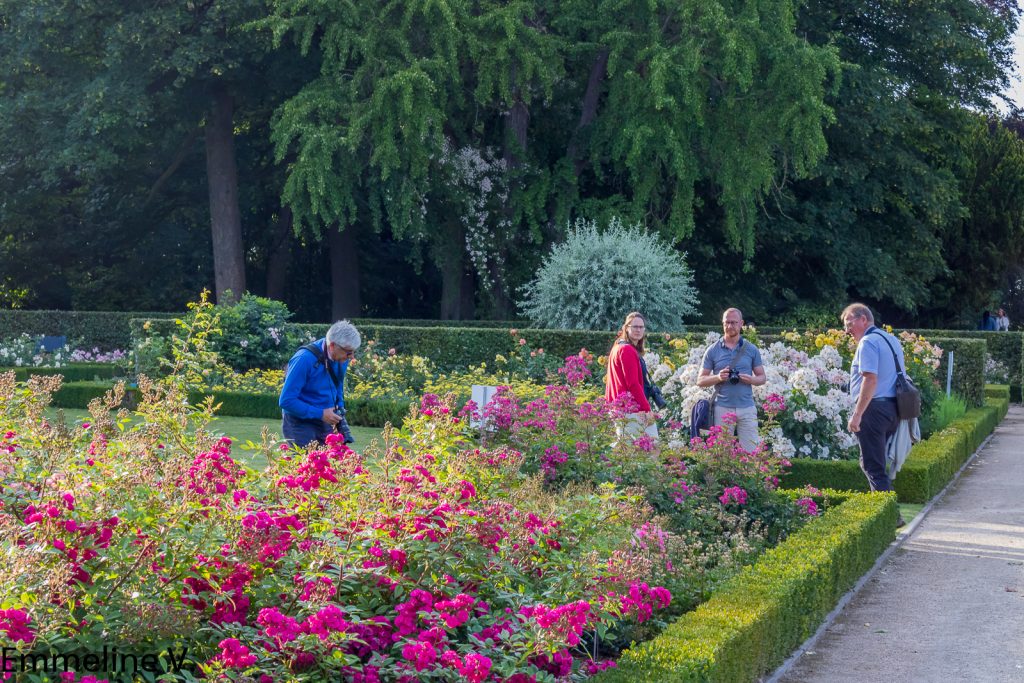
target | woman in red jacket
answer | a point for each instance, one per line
(625, 376)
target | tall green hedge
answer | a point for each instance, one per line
(107, 330)
(968, 367)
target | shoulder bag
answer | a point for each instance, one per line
(908, 396)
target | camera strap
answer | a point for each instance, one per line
(732, 364)
(321, 357)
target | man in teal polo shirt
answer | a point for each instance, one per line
(873, 385)
(733, 366)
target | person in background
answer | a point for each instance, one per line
(1002, 322)
(626, 375)
(988, 323)
(313, 397)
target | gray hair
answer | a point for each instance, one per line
(344, 334)
(730, 310)
(858, 311)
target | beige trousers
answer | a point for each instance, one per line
(746, 425)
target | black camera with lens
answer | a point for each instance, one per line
(343, 428)
(734, 376)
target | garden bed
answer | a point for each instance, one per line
(752, 623)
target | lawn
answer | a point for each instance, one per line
(241, 429)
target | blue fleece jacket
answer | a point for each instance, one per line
(308, 387)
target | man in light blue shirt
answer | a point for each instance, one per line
(733, 366)
(313, 397)
(873, 385)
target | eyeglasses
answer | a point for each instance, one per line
(638, 327)
(346, 352)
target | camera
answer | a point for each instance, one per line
(734, 376)
(343, 428)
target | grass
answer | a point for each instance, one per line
(910, 510)
(240, 430)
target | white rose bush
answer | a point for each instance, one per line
(804, 405)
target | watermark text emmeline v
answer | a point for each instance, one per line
(108, 660)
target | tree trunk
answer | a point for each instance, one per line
(588, 112)
(345, 299)
(451, 261)
(279, 255)
(517, 121)
(467, 308)
(225, 216)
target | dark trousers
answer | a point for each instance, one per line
(878, 423)
(300, 432)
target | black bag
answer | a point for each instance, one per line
(908, 396)
(700, 416)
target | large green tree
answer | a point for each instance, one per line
(125, 118)
(592, 107)
(875, 220)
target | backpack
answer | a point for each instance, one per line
(700, 416)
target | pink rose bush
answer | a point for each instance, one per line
(434, 555)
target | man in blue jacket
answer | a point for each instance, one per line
(313, 397)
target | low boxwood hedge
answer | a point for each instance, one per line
(997, 391)
(929, 467)
(73, 372)
(360, 412)
(751, 624)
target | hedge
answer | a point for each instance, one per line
(107, 330)
(751, 624)
(449, 348)
(929, 467)
(968, 367)
(73, 372)
(1005, 347)
(360, 412)
(424, 322)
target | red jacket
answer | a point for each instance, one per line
(624, 374)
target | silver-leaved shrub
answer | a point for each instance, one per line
(594, 278)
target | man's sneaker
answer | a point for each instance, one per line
(900, 522)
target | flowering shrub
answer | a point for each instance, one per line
(23, 351)
(995, 371)
(716, 505)
(440, 559)
(805, 404)
(97, 356)
(252, 381)
(255, 333)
